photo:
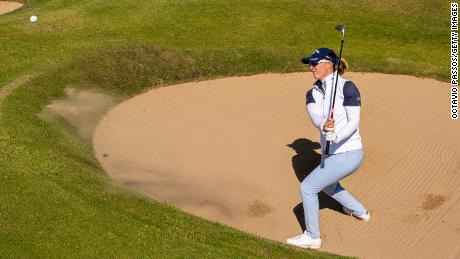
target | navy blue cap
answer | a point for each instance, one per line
(321, 54)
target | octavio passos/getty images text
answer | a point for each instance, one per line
(454, 61)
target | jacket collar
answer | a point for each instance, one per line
(321, 84)
(328, 78)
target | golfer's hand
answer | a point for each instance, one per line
(331, 136)
(329, 125)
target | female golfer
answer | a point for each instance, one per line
(345, 151)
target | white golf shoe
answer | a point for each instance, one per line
(364, 217)
(305, 241)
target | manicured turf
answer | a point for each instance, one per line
(55, 201)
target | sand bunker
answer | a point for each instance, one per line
(6, 7)
(233, 150)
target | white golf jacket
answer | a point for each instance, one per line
(346, 112)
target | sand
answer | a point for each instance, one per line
(233, 150)
(6, 7)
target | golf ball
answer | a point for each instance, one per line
(33, 18)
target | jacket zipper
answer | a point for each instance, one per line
(324, 99)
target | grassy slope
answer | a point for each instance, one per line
(54, 198)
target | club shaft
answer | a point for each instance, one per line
(328, 143)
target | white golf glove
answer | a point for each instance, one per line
(331, 136)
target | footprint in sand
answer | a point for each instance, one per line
(259, 209)
(410, 215)
(431, 201)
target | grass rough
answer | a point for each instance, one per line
(55, 200)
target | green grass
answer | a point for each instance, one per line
(55, 201)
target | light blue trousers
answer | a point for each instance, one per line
(336, 167)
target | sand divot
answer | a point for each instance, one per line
(432, 201)
(233, 150)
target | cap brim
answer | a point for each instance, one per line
(311, 61)
(306, 61)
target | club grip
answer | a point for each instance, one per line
(328, 143)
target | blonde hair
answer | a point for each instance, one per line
(343, 65)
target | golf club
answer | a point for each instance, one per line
(340, 28)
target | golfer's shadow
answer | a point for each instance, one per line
(303, 163)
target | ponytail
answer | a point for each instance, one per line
(343, 65)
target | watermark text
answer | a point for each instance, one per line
(454, 103)
(454, 61)
(453, 16)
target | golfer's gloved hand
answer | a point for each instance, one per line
(331, 136)
(328, 125)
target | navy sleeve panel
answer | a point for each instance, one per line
(310, 98)
(351, 95)
(319, 84)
